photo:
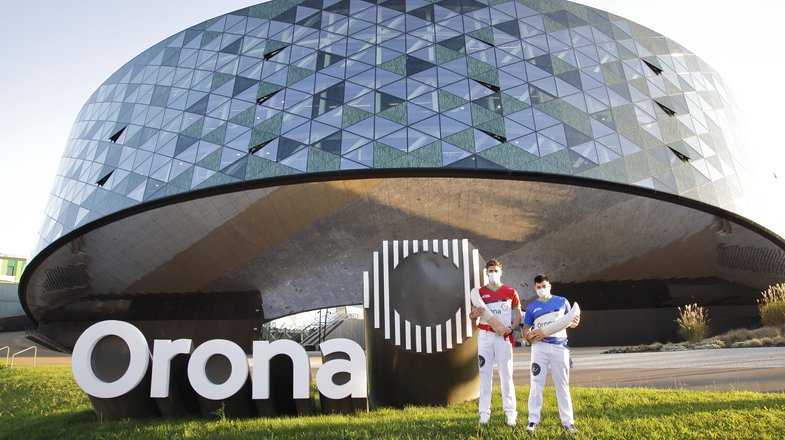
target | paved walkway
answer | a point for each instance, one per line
(748, 369)
(745, 369)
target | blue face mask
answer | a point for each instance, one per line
(544, 293)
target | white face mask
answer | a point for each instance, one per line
(543, 293)
(495, 277)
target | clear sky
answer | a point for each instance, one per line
(56, 53)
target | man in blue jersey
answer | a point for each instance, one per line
(548, 352)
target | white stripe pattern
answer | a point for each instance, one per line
(376, 295)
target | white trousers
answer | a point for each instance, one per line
(546, 356)
(493, 348)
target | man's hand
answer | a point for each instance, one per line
(535, 336)
(476, 312)
(575, 321)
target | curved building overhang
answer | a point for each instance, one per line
(257, 251)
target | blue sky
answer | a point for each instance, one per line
(56, 53)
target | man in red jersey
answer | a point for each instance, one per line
(495, 342)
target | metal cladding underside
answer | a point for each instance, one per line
(259, 254)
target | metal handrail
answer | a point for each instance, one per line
(7, 353)
(35, 354)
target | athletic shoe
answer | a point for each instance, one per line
(512, 419)
(571, 429)
(531, 426)
(484, 417)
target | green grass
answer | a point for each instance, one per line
(45, 402)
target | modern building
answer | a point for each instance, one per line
(11, 267)
(245, 168)
(12, 316)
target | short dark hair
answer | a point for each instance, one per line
(540, 278)
(493, 262)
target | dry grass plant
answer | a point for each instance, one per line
(693, 323)
(772, 306)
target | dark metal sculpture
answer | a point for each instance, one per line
(419, 342)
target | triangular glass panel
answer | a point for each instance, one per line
(383, 154)
(418, 139)
(340, 7)
(362, 154)
(415, 88)
(331, 143)
(364, 127)
(665, 182)
(383, 127)
(319, 131)
(425, 13)
(484, 140)
(606, 154)
(199, 107)
(288, 147)
(397, 140)
(298, 160)
(665, 109)
(351, 141)
(233, 47)
(113, 138)
(617, 99)
(611, 141)
(645, 183)
(347, 164)
(452, 154)
(469, 162)
(459, 114)
(556, 133)
(577, 100)
(429, 125)
(229, 156)
(267, 150)
(450, 126)
(653, 129)
(580, 163)
(548, 146)
(543, 120)
(628, 148)
(333, 117)
(565, 89)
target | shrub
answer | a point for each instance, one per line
(693, 323)
(772, 306)
(742, 334)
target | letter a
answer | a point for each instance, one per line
(357, 386)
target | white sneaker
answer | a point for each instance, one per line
(531, 426)
(570, 428)
(512, 419)
(484, 418)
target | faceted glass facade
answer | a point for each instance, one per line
(324, 86)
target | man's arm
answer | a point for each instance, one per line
(516, 322)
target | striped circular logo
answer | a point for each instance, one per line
(417, 292)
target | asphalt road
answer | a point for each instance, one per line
(743, 369)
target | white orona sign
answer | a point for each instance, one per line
(165, 349)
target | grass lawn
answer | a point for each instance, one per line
(46, 403)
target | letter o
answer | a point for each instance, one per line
(198, 362)
(81, 359)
